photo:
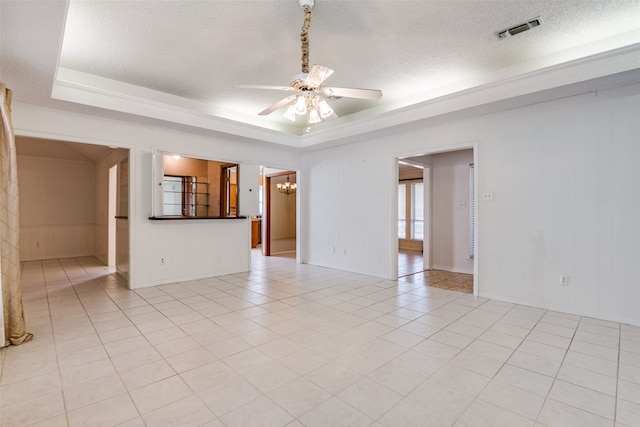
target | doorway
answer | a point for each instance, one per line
(437, 233)
(86, 195)
(413, 213)
(229, 191)
(280, 218)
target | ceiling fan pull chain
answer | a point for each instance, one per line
(304, 38)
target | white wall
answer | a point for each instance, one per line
(191, 249)
(351, 210)
(450, 222)
(101, 195)
(566, 200)
(57, 208)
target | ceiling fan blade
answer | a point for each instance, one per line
(318, 74)
(277, 105)
(265, 87)
(347, 92)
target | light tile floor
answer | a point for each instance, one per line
(295, 345)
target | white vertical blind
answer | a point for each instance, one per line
(402, 213)
(472, 212)
(417, 211)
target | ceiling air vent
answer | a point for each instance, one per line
(536, 22)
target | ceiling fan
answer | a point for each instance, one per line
(310, 94)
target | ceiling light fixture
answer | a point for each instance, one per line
(287, 187)
(311, 94)
(314, 107)
(308, 104)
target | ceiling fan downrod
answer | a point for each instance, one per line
(304, 35)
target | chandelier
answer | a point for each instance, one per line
(287, 187)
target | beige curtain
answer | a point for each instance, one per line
(14, 326)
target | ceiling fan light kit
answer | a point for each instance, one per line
(310, 100)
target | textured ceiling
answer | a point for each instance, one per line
(190, 56)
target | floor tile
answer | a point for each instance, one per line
(29, 389)
(528, 380)
(134, 359)
(336, 413)
(437, 349)
(333, 377)
(226, 396)
(583, 398)
(86, 372)
(259, 412)
(461, 379)
(591, 363)
(206, 376)
(38, 409)
(86, 393)
(370, 398)
(628, 413)
(557, 414)
(299, 396)
(629, 373)
(447, 401)
(300, 345)
(588, 379)
(190, 359)
(490, 350)
(451, 338)
(514, 399)
(159, 394)
(247, 360)
(109, 412)
(477, 363)
(534, 363)
(484, 414)
(397, 377)
(629, 391)
(270, 376)
(189, 411)
(603, 352)
(501, 339)
(408, 413)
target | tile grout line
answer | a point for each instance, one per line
(555, 377)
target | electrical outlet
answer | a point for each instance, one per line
(564, 280)
(161, 261)
(487, 197)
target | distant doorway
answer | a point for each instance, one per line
(280, 213)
